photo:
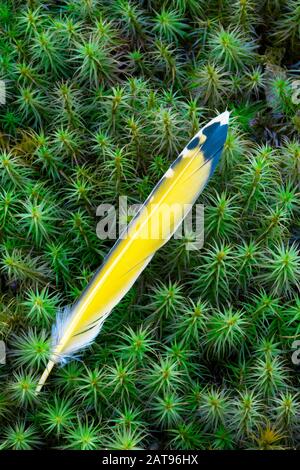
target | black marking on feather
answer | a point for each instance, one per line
(210, 130)
(215, 137)
(92, 324)
(193, 143)
(207, 160)
(86, 330)
(96, 321)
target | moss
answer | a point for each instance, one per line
(100, 98)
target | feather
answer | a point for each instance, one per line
(150, 229)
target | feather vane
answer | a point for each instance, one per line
(151, 228)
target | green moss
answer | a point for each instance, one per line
(100, 98)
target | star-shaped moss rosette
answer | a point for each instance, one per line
(100, 97)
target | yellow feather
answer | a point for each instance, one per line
(154, 224)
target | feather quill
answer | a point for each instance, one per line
(151, 228)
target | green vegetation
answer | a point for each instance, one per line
(100, 98)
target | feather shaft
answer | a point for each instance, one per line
(151, 228)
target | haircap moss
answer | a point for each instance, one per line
(96, 100)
